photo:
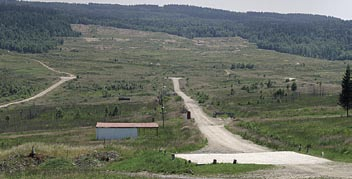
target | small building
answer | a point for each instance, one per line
(290, 79)
(110, 131)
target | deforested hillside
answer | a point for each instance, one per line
(302, 34)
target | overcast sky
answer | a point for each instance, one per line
(336, 8)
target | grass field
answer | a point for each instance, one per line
(112, 63)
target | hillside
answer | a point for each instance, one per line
(302, 34)
(221, 74)
(31, 29)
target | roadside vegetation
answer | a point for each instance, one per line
(326, 137)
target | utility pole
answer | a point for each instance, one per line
(162, 105)
(162, 114)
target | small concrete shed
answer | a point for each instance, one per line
(108, 131)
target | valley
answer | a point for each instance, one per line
(221, 74)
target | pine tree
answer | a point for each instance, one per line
(294, 87)
(115, 112)
(345, 99)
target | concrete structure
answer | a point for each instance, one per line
(268, 158)
(110, 131)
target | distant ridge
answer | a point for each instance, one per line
(303, 34)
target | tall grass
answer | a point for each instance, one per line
(52, 150)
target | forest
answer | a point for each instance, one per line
(306, 35)
(31, 29)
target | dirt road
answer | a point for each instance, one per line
(225, 147)
(219, 139)
(63, 79)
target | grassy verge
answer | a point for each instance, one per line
(160, 162)
(332, 136)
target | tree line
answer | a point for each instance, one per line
(307, 35)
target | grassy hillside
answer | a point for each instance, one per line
(111, 63)
(114, 62)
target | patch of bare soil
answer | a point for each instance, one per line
(90, 39)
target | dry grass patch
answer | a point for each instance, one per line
(52, 150)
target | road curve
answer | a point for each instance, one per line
(219, 139)
(63, 79)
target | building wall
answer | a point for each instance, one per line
(116, 133)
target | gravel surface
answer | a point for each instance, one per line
(225, 147)
(219, 139)
(274, 158)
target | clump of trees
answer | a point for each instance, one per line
(202, 97)
(242, 66)
(10, 87)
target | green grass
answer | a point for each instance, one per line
(68, 174)
(57, 163)
(329, 135)
(177, 136)
(160, 162)
(155, 162)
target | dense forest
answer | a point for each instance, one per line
(31, 29)
(306, 35)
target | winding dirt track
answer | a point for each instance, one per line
(225, 147)
(63, 79)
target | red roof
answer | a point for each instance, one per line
(126, 125)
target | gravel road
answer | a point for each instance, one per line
(225, 147)
(219, 139)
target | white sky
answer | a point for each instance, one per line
(337, 8)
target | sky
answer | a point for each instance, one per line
(337, 8)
